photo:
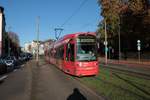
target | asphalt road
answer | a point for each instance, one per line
(16, 86)
(43, 82)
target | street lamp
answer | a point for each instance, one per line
(37, 54)
(119, 38)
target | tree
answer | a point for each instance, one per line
(133, 18)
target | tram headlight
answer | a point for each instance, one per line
(79, 64)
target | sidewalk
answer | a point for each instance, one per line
(129, 62)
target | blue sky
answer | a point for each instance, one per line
(21, 15)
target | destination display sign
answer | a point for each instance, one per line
(85, 40)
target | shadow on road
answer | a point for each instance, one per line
(76, 95)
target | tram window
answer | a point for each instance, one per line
(52, 54)
(56, 54)
(67, 52)
(61, 52)
(70, 52)
(48, 53)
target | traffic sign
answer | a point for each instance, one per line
(138, 41)
(138, 45)
(105, 43)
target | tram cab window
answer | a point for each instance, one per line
(86, 48)
(70, 52)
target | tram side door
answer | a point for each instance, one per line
(69, 58)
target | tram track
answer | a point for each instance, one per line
(115, 86)
(126, 71)
(116, 73)
(135, 82)
(122, 88)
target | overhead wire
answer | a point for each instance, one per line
(74, 13)
(89, 24)
(57, 35)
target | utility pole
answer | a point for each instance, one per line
(119, 38)
(37, 53)
(105, 43)
(58, 30)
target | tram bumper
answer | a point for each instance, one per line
(88, 71)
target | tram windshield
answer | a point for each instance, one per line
(86, 48)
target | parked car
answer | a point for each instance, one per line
(30, 56)
(10, 62)
(26, 56)
(23, 57)
(3, 67)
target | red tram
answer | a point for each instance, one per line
(75, 54)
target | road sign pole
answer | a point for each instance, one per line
(139, 49)
(139, 56)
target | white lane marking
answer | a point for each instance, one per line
(3, 77)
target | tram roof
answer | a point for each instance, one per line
(67, 37)
(75, 35)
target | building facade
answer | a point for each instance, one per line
(9, 41)
(32, 47)
(3, 35)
